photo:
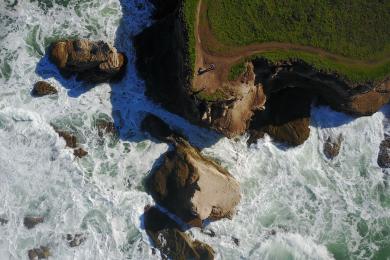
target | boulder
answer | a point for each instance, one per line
(170, 240)
(75, 240)
(42, 252)
(31, 221)
(43, 88)
(93, 62)
(192, 186)
(384, 153)
(332, 146)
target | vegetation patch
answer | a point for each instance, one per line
(218, 95)
(236, 71)
(355, 29)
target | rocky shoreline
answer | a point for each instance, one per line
(162, 60)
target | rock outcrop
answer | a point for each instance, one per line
(93, 62)
(42, 252)
(31, 221)
(71, 142)
(332, 146)
(170, 240)
(192, 186)
(43, 88)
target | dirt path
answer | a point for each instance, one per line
(206, 46)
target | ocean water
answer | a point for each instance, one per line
(296, 204)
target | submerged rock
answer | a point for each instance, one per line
(3, 221)
(332, 147)
(106, 127)
(384, 153)
(43, 88)
(71, 140)
(42, 252)
(92, 61)
(194, 187)
(75, 240)
(31, 221)
(80, 152)
(171, 241)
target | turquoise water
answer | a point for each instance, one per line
(296, 204)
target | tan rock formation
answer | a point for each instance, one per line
(194, 187)
(92, 61)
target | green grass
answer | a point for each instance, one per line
(189, 11)
(353, 73)
(352, 28)
(236, 70)
(218, 95)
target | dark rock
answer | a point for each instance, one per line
(170, 240)
(75, 240)
(71, 140)
(209, 232)
(31, 221)
(332, 147)
(384, 153)
(157, 128)
(43, 88)
(3, 221)
(80, 152)
(93, 62)
(192, 186)
(42, 252)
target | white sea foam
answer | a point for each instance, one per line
(296, 203)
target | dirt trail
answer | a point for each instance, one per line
(223, 61)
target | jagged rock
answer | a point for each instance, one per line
(3, 221)
(157, 128)
(43, 88)
(71, 140)
(31, 221)
(384, 153)
(171, 241)
(75, 240)
(80, 152)
(92, 61)
(194, 187)
(42, 252)
(332, 147)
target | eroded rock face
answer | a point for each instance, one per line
(171, 241)
(92, 61)
(43, 88)
(384, 153)
(194, 187)
(31, 221)
(332, 146)
(42, 252)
